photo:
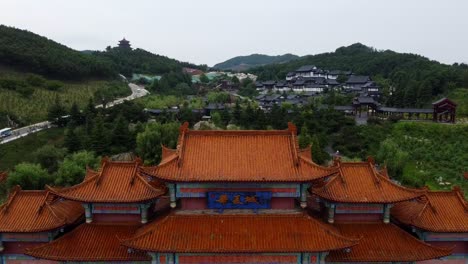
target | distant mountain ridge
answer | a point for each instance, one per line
(241, 63)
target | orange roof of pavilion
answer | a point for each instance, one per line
(437, 211)
(116, 182)
(238, 234)
(383, 243)
(360, 182)
(37, 211)
(237, 156)
(90, 243)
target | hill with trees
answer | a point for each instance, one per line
(411, 79)
(242, 63)
(29, 52)
(128, 61)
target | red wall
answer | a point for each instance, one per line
(358, 217)
(201, 203)
(19, 247)
(444, 261)
(257, 258)
(116, 218)
(32, 261)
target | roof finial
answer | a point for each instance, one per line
(292, 128)
(371, 160)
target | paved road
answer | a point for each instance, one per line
(137, 92)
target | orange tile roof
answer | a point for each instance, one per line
(238, 234)
(383, 243)
(237, 156)
(116, 182)
(360, 182)
(36, 211)
(437, 211)
(91, 242)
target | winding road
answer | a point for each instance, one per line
(137, 92)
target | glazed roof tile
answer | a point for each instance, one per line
(254, 156)
(116, 182)
(437, 211)
(238, 234)
(383, 243)
(37, 211)
(91, 242)
(360, 182)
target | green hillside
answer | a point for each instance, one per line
(30, 52)
(242, 63)
(414, 78)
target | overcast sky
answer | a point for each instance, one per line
(212, 31)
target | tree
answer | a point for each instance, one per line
(57, 112)
(156, 134)
(76, 118)
(236, 114)
(121, 137)
(204, 78)
(342, 78)
(319, 156)
(304, 138)
(217, 119)
(48, 156)
(29, 176)
(72, 141)
(72, 170)
(99, 136)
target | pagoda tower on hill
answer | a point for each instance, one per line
(125, 44)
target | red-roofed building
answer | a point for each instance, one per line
(360, 192)
(238, 197)
(118, 192)
(31, 218)
(210, 162)
(440, 218)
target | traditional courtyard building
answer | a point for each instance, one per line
(359, 192)
(439, 218)
(236, 197)
(33, 218)
(117, 201)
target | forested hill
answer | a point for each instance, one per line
(30, 52)
(414, 78)
(142, 61)
(242, 63)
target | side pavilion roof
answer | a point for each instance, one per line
(238, 156)
(437, 211)
(116, 182)
(360, 182)
(37, 211)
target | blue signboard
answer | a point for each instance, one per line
(239, 200)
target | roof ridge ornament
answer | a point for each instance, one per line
(180, 146)
(14, 191)
(104, 162)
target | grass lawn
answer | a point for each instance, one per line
(460, 96)
(21, 150)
